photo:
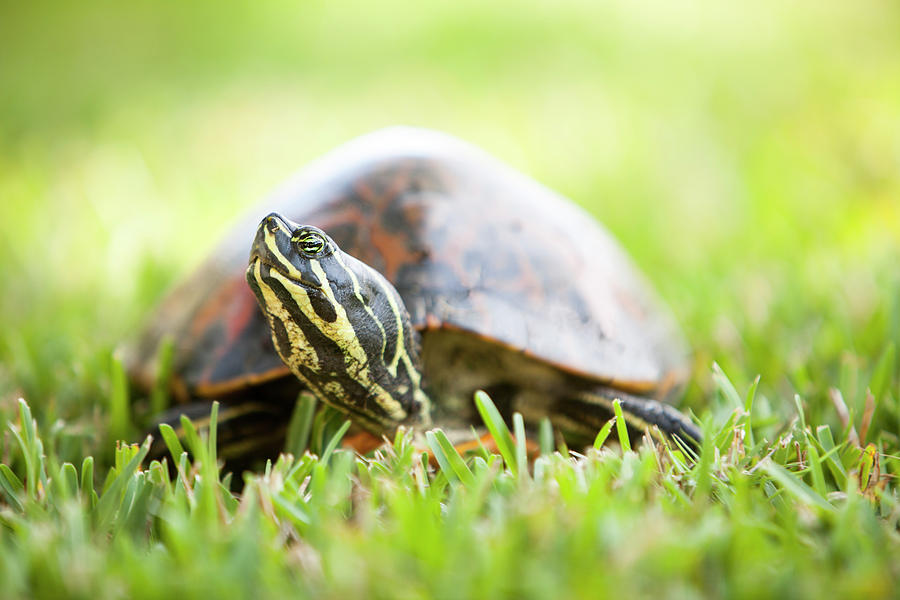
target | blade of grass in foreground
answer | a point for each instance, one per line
(604, 433)
(32, 449)
(621, 426)
(521, 445)
(12, 487)
(171, 440)
(795, 486)
(104, 513)
(545, 437)
(449, 459)
(335, 440)
(119, 406)
(301, 423)
(498, 429)
(159, 395)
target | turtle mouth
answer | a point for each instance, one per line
(261, 264)
(262, 259)
(272, 229)
(272, 244)
(276, 267)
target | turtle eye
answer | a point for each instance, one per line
(309, 243)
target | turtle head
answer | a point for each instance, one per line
(338, 324)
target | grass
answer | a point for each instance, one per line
(745, 156)
(740, 521)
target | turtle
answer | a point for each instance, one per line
(396, 276)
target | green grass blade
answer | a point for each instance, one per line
(159, 395)
(135, 515)
(192, 438)
(815, 467)
(795, 486)
(883, 371)
(676, 493)
(68, 478)
(621, 426)
(32, 450)
(171, 440)
(300, 426)
(521, 444)
(703, 470)
(545, 437)
(448, 457)
(866, 464)
(603, 434)
(335, 440)
(726, 433)
(825, 439)
(798, 403)
(211, 450)
(725, 387)
(119, 405)
(106, 508)
(87, 476)
(12, 487)
(748, 411)
(290, 509)
(498, 429)
(326, 423)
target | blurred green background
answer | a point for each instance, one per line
(747, 156)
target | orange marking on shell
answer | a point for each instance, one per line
(214, 307)
(241, 309)
(232, 306)
(393, 249)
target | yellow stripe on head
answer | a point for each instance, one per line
(341, 332)
(330, 324)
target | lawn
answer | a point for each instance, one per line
(747, 157)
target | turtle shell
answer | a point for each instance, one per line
(470, 244)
